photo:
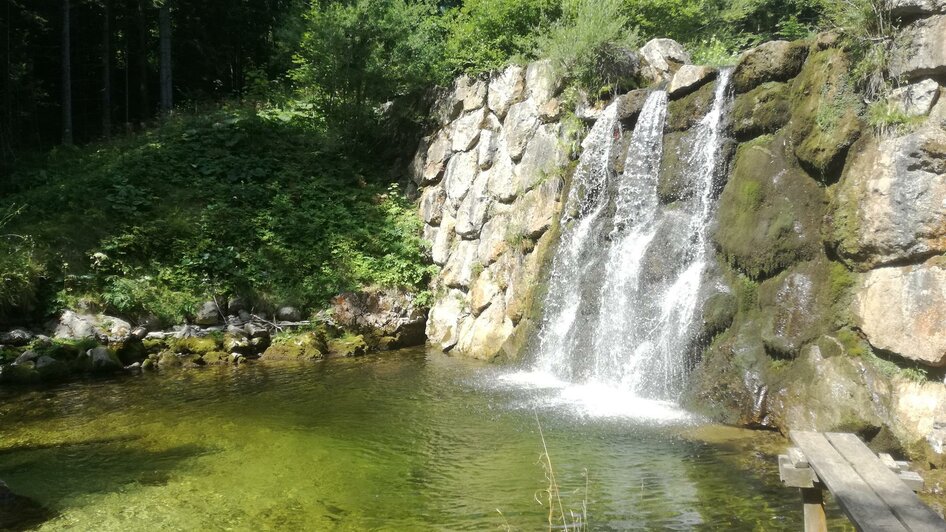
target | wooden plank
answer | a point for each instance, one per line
(913, 480)
(797, 457)
(795, 477)
(813, 501)
(908, 508)
(862, 506)
(889, 462)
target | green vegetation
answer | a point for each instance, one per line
(232, 202)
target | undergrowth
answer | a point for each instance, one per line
(237, 201)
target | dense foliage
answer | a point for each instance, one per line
(230, 202)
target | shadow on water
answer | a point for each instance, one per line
(45, 477)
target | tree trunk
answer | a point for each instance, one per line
(66, 76)
(107, 71)
(144, 104)
(164, 28)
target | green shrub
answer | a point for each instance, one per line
(591, 43)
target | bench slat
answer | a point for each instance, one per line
(862, 506)
(886, 484)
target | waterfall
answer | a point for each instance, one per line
(622, 307)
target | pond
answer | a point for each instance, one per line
(410, 440)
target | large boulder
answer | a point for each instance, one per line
(16, 337)
(890, 205)
(663, 57)
(445, 316)
(74, 326)
(689, 78)
(920, 50)
(543, 82)
(383, 313)
(902, 310)
(102, 360)
(916, 99)
(915, 8)
(764, 109)
(825, 118)
(772, 61)
(801, 304)
(770, 211)
(208, 313)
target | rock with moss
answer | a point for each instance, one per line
(674, 179)
(309, 345)
(216, 358)
(825, 119)
(348, 346)
(719, 310)
(731, 382)
(19, 373)
(383, 313)
(764, 109)
(803, 303)
(51, 369)
(686, 112)
(770, 211)
(101, 360)
(840, 393)
(771, 61)
(890, 204)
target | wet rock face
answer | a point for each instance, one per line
(890, 206)
(769, 212)
(503, 171)
(902, 310)
(689, 78)
(772, 61)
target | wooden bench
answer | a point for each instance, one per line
(876, 493)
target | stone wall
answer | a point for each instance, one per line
(831, 236)
(490, 181)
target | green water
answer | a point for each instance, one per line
(405, 441)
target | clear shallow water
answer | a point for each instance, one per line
(405, 441)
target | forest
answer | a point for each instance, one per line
(112, 108)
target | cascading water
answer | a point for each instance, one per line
(623, 297)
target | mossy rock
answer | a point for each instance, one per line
(216, 358)
(19, 374)
(131, 351)
(771, 61)
(825, 114)
(250, 347)
(764, 109)
(348, 346)
(730, 383)
(155, 345)
(719, 310)
(686, 112)
(196, 345)
(170, 359)
(51, 369)
(802, 304)
(770, 211)
(309, 345)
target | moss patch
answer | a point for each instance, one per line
(762, 110)
(825, 119)
(687, 111)
(770, 212)
(195, 345)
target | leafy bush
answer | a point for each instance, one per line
(592, 44)
(20, 271)
(488, 34)
(867, 32)
(239, 201)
